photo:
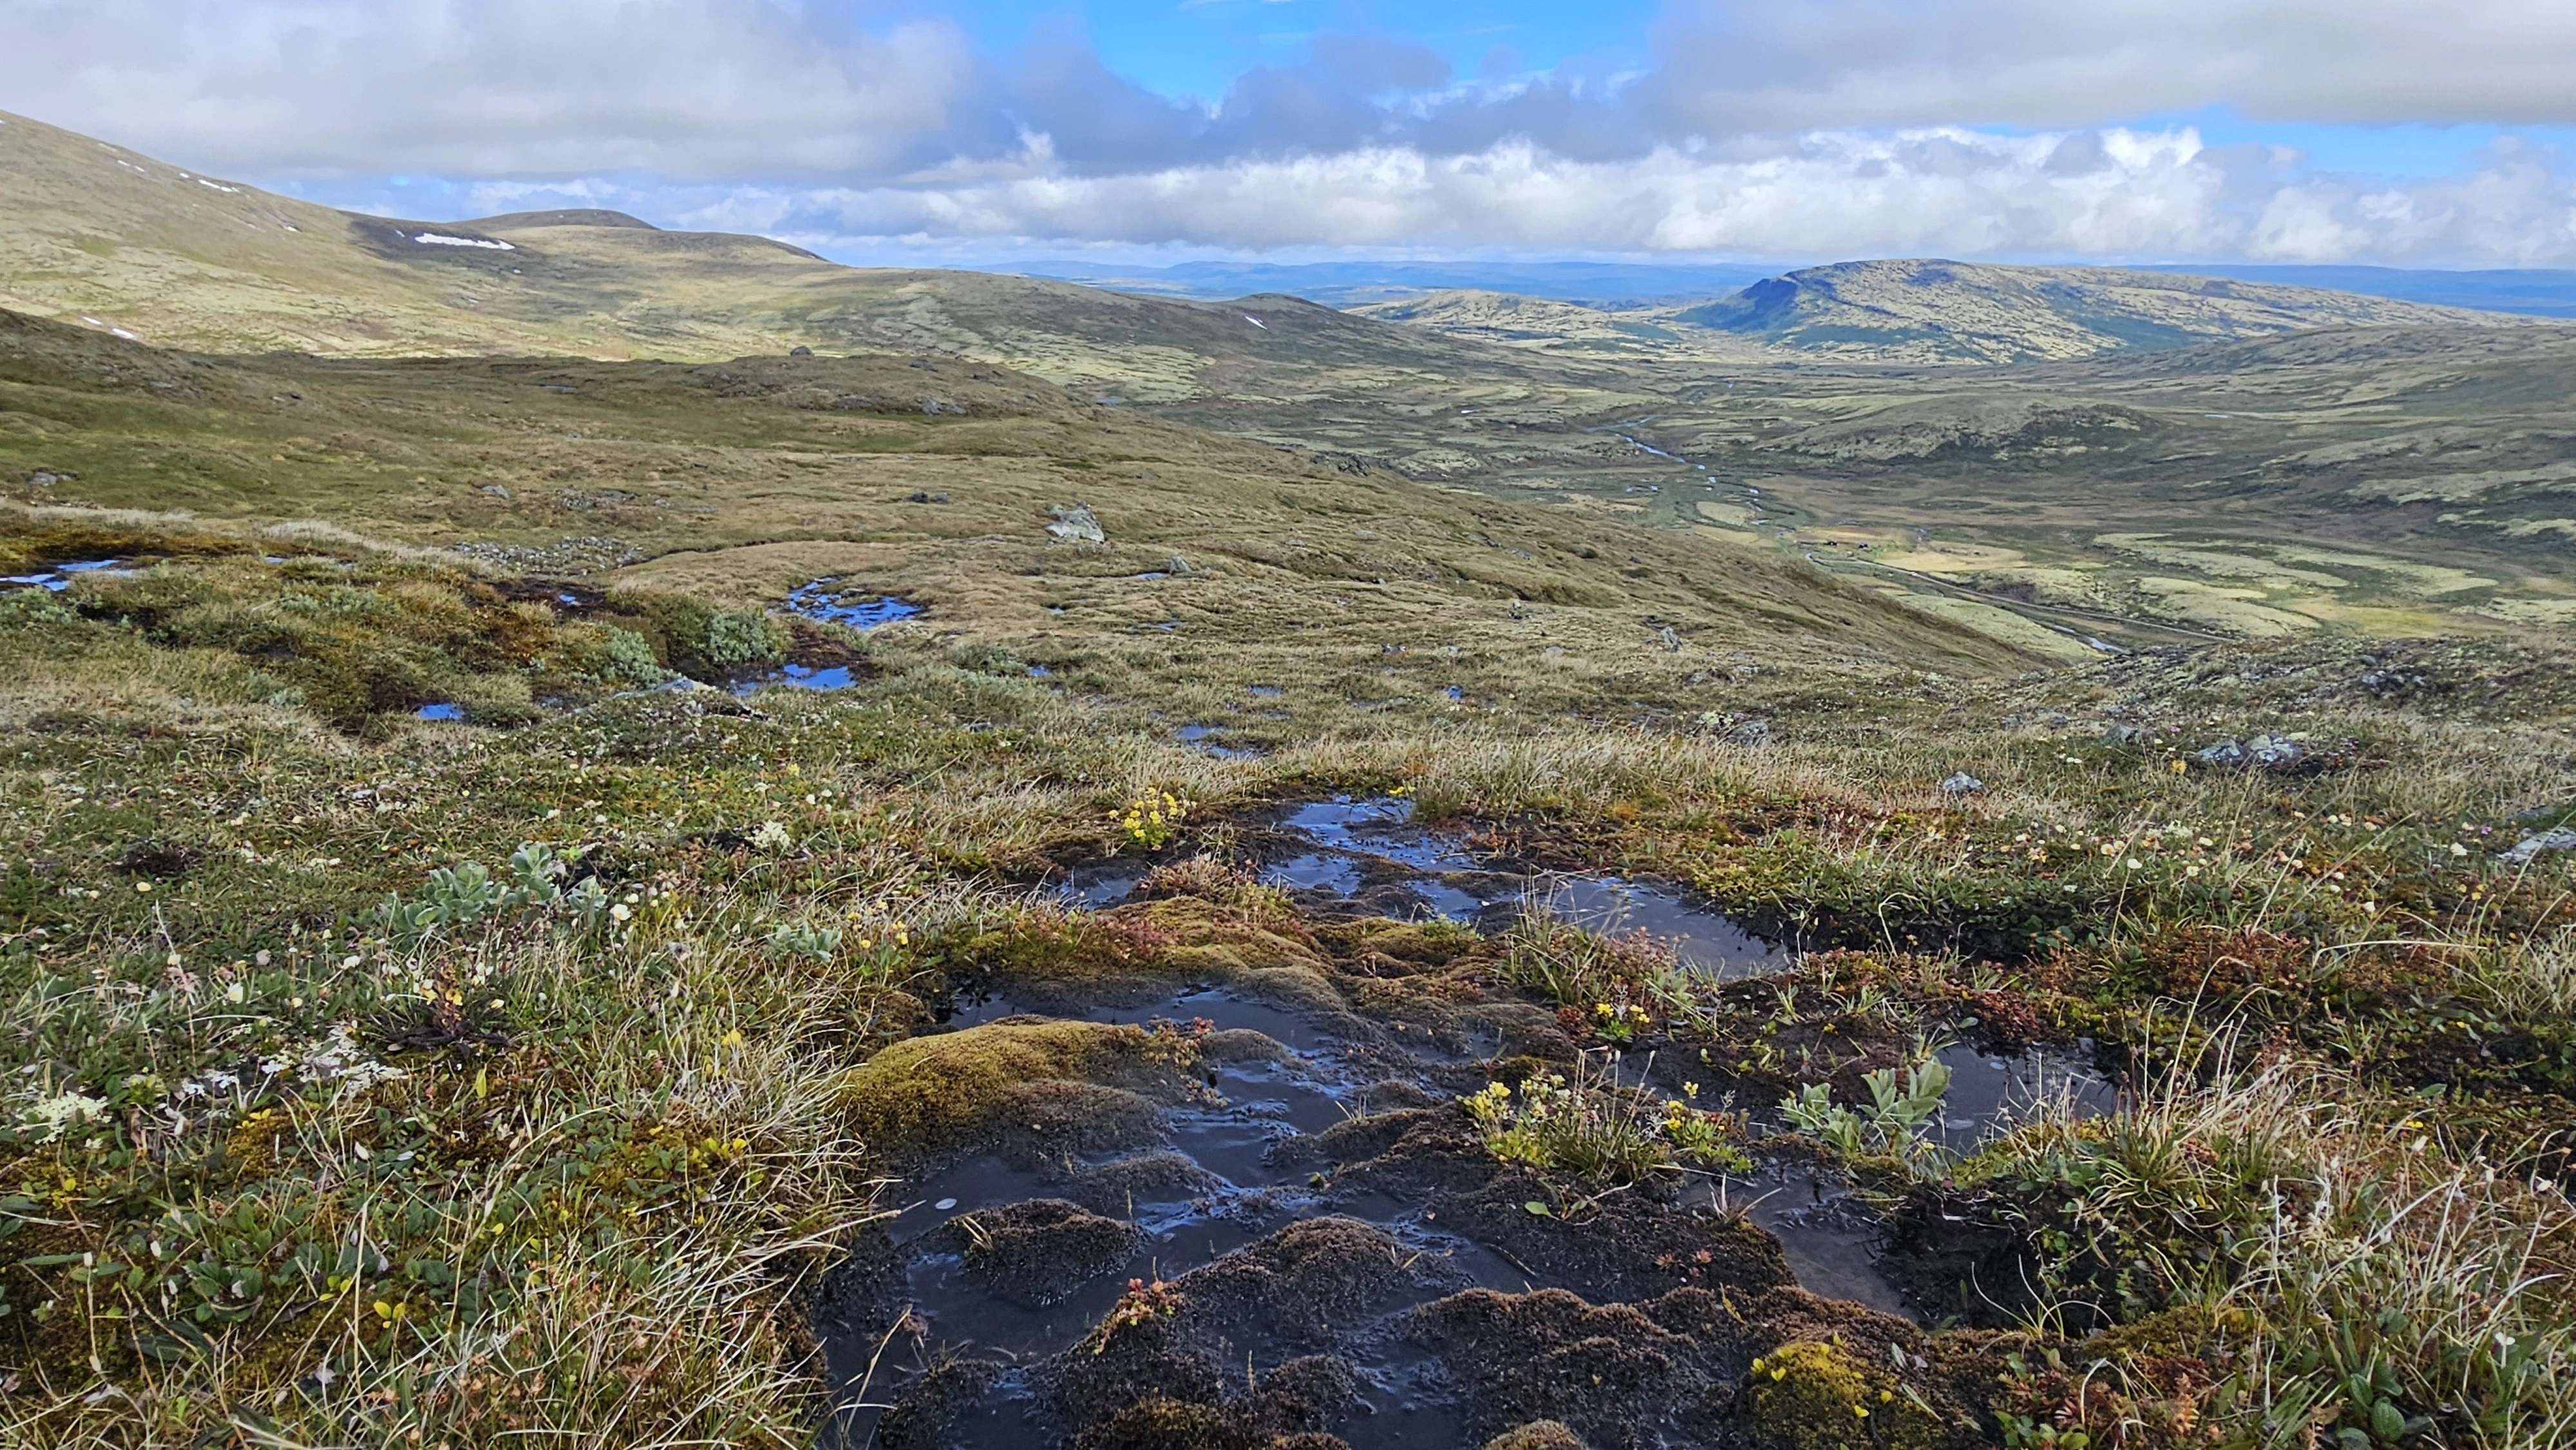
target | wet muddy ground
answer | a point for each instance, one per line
(1262, 1219)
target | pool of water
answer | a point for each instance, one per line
(1102, 883)
(803, 677)
(1991, 1095)
(60, 576)
(1700, 937)
(832, 602)
(1209, 740)
(1370, 847)
(1366, 853)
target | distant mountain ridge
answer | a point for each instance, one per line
(1932, 311)
(2533, 292)
(1351, 284)
(1974, 312)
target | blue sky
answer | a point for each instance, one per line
(1197, 49)
(2351, 131)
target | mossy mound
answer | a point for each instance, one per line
(1814, 1395)
(933, 1096)
(1537, 1435)
(1163, 1423)
(1612, 1373)
(1037, 1252)
(1626, 1246)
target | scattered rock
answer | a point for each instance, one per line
(494, 490)
(1669, 639)
(1962, 783)
(2529, 848)
(924, 496)
(2263, 752)
(800, 352)
(2272, 752)
(1077, 523)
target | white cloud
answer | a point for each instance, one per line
(2140, 195)
(485, 87)
(1730, 64)
(1799, 128)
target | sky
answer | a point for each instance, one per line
(2394, 132)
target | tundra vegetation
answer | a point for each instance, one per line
(499, 859)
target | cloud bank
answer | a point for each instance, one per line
(1793, 128)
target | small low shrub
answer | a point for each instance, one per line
(33, 609)
(738, 637)
(630, 657)
(1897, 1122)
(1592, 1126)
(804, 939)
(465, 894)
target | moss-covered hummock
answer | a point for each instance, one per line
(940, 1094)
(1816, 1396)
(1537, 1435)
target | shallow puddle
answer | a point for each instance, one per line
(1369, 848)
(1218, 1178)
(852, 607)
(60, 576)
(1990, 1095)
(1209, 740)
(802, 677)
(1700, 938)
(825, 601)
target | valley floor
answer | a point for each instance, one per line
(433, 1019)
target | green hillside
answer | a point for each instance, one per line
(97, 236)
(739, 481)
(622, 838)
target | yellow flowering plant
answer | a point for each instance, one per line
(1152, 819)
